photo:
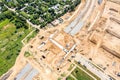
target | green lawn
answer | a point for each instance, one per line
(71, 66)
(10, 44)
(34, 33)
(70, 78)
(81, 75)
(3, 23)
(88, 71)
(26, 54)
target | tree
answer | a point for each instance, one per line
(43, 24)
(35, 16)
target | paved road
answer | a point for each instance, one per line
(80, 21)
(75, 22)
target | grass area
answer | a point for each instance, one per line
(70, 78)
(10, 44)
(26, 54)
(63, 74)
(71, 66)
(81, 75)
(59, 78)
(31, 36)
(3, 23)
(88, 71)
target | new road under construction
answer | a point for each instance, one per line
(88, 39)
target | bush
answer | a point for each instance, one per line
(26, 54)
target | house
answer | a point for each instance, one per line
(57, 8)
(55, 22)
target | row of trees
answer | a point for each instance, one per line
(6, 14)
(2, 7)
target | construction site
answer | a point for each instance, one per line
(101, 43)
(53, 48)
(91, 31)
